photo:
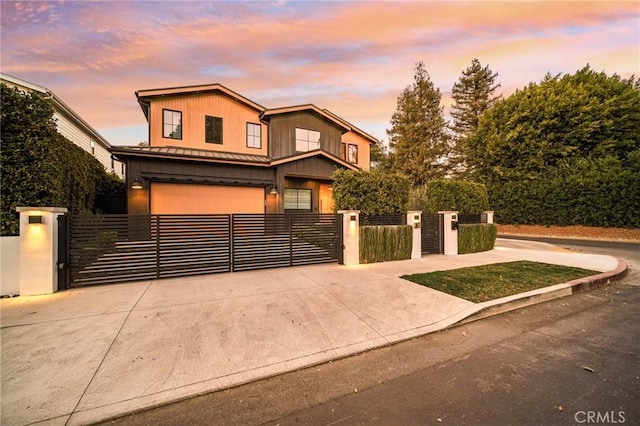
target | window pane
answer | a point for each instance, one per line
(314, 136)
(290, 199)
(353, 153)
(304, 199)
(302, 146)
(171, 124)
(213, 129)
(302, 134)
(314, 145)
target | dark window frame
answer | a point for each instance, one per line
(253, 136)
(298, 191)
(215, 134)
(173, 126)
(343, 151)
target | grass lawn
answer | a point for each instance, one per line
(489, 282)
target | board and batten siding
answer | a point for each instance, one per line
(282, 133)
(364, 149)
(194, 108)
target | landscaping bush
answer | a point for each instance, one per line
(588, 192)
(476, 237)
(385, 243)
(449, 195)
(371, 192)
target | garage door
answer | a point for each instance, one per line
(178, 198)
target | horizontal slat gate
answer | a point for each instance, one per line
(273, 240)
(432, 233)
(105, 249)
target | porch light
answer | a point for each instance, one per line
(35, 218)
(136, 184)
(274, 190)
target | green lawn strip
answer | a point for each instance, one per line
(488, 282)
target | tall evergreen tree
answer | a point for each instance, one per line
(418, 134)
(473, 94)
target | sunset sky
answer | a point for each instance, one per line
(353, 58)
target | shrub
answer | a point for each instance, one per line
(385, 243)
(476, 237)
(450, 195)
(371, 192)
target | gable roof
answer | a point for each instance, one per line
(145, 95)
(307, 107)
(314, 153)
(353, 128)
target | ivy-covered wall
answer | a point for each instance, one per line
(40, 167)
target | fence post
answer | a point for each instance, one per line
(450, 232)
(489, 216)
(39, 249)
(414, 218)
(350, 236)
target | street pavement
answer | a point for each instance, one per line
(89, 354)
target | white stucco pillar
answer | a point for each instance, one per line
(414, 218)
(489, 215)
(351, 236)
(450, 232)
(39, 249)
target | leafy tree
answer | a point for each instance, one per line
(473, 94)
(418, 135)
(380, 159)
(547, 125)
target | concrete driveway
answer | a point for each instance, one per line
(88, 354)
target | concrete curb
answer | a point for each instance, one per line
(517, 301)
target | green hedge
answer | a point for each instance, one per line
(385, 243)
(371, 192)
(477, 237)
(40, 167)
(591, 192)
(449, 195)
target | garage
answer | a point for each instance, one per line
(179, 198)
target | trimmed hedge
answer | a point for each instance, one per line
(476, 237)
(592, 193)
(385, 243)
(371, 192)
(450, 195)
(40, 167)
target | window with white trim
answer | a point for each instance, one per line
(307, 140)
(297, 199)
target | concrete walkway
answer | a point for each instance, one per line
(86, 355)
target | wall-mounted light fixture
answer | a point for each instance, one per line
(136, 184)
(352, 217)
(416, 218)
(274, 190)
(35, 219)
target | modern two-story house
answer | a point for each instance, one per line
(211, 150)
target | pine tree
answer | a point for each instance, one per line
(418, 135)
(473, 94)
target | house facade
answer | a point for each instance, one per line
(71, 125)
(211, 150)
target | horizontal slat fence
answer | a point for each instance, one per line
(384, 219)
(103, 249)
(472, 218)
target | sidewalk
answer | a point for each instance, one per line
(89, 354)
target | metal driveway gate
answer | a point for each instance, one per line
(432, 230)
(104, 249)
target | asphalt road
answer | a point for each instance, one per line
(568, 361)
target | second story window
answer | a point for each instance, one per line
(171, 124)
(343, 151)
(213, 129)
(353, 154)
(254, 135)
(307, 140)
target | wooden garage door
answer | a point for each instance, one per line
(179, 198)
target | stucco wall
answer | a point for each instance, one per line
(9, 266)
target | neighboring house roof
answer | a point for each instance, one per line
(174, 152)
(308, 107)
(144, 95)
(59, 105)
(353, 128)
(179, 153)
